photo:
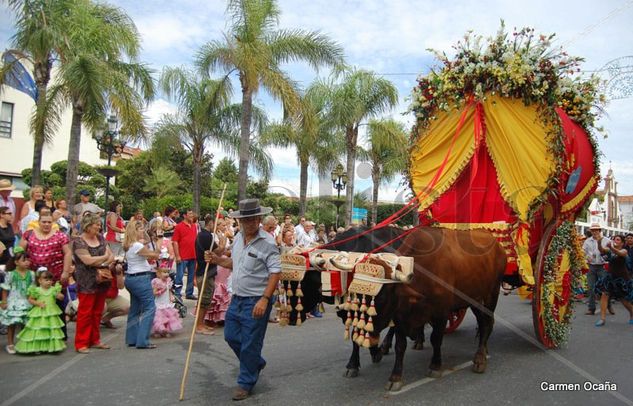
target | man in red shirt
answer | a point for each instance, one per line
(184, 241)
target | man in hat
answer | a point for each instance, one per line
(595, 247)
(85, 205)
(5, 196)
(256, 267)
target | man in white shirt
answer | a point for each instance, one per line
(595, 247)
(5, 196)
(306, 235)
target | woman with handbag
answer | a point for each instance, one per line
(115, 227)
(138, 281)
(92, 262)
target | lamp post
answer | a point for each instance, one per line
(108, 142)
(339, 180)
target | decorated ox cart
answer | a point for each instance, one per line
(503, 142)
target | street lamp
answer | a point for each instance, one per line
(108, 142)
(339, 180)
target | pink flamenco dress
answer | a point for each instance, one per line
(166, 319)
(221, 297)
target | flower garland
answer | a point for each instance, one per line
(565, 239)
(523, 66)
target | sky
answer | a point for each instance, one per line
(392, 38)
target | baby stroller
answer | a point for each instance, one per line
(165, 262)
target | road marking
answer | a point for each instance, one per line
(49, 376)
(424, 381)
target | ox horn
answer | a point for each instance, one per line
(317, 260)
(335, 261)
(402, 277)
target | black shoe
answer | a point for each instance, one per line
(192, 297)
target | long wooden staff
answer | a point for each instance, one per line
(195, 321)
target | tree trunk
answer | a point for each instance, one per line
(375, 177)
(303, 187)
(72, 170)
(245, 140)
(41, 75)
(351, 137)
(198, 151)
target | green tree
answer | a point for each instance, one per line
(310, 134)
(360, 95)
(40, 34)
(255, 49)
(387, 153)
(99, 72)
(205, 116)
(161, 182)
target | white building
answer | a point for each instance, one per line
(16, 139)
(626, 207)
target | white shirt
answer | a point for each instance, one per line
(135, 262)
(306, 239)
(592, 253)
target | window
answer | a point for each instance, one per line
(6, 120)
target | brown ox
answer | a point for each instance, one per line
(453, 270)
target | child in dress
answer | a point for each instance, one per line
(43, 330)
(166, 319)
(15, 304)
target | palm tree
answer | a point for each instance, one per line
(312, 137)
(359, 96)
(387, 153)
(204, 116)
(162, 182)
(40, 35)
(100, 73)
(255, 49)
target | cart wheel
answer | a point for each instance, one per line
(454, 320)
(551, 308)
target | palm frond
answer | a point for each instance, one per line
(298, 45)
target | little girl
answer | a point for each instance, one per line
(43, 330)
(15, 304)
(166, 319)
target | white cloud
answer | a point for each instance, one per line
(157, 108)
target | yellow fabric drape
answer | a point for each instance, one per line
(431, 149)
(516, 140)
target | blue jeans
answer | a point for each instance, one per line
(142, 310)
(190, 265)
(245, 336)
(595, 272)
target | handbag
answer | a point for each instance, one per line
(104, 275)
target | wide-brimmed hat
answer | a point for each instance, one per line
(250, 208)
(5, 184)
(595, 226)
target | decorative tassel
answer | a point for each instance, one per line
(370, 325)
(355, 335)
(372, 308)
(361, 323)
(289, 291)
(366, 342)
(288, 308)
(355, 320)
(299, 306)
(355, 304)
(283, 321)
(276, 292)
(361, 338)
(282, 290)
(277, 305)
(391, 323)
(363, 306)
(299, 291)
(321, 307)
(299, 319)
(348, 303)
(346, 335)
(348, 319)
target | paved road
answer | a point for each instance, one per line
(305, 366)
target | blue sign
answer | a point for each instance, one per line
(358, 215)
